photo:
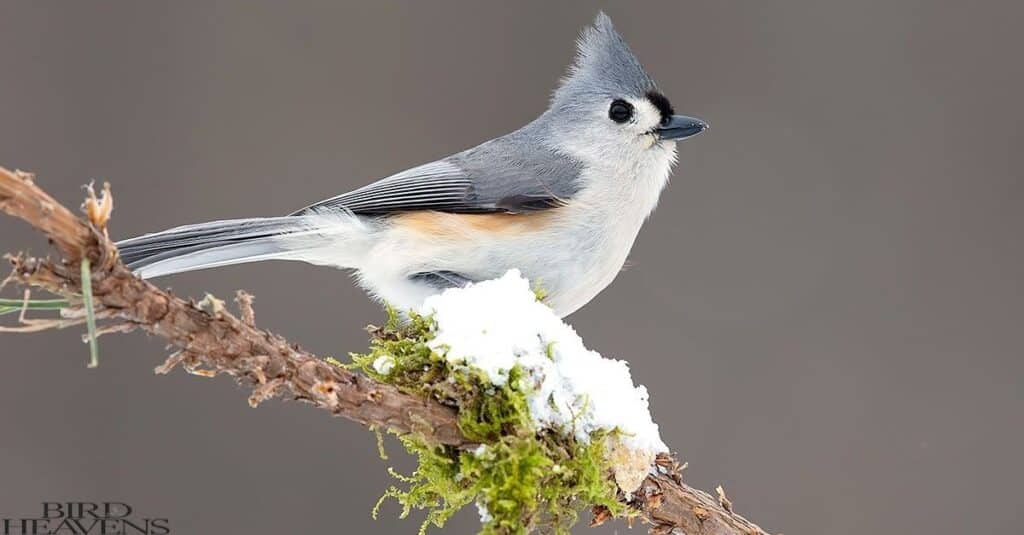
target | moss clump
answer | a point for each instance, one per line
(521, 477)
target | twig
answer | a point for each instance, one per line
(210, 344)
(220, 342)
(119, 328)
(244, 301)
(35, 326)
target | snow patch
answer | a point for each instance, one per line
(497, 324)
(384, 364)
(485, 515)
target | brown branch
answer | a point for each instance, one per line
(211, 343)
(216, 342)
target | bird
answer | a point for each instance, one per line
(561, 199)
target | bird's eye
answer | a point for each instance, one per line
(621, 111)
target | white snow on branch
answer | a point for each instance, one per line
(497, 324)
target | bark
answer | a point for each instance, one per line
(210, 341)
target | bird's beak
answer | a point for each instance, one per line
(680, 127)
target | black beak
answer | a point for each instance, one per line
(680, 127)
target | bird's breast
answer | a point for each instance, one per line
(572, 252)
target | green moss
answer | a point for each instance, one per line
(525, 479)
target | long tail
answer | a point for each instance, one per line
(331, 240)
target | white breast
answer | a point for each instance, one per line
(609, 215)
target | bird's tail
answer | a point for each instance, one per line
(330, 240)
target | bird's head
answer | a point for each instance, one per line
(608, 109)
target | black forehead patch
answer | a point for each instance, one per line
(664, 106)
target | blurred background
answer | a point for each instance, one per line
(827, 305)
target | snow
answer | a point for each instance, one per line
(485, 515)
(494, 325)
(383, 364)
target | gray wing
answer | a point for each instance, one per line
(502, 175)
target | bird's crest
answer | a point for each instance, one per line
(604, 65)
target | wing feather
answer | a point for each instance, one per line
(502, 175)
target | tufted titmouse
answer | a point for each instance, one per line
(562, 199)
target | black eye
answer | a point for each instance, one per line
(621, 111)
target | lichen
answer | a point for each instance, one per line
(522, 478)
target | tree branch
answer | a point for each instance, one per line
(214, 341)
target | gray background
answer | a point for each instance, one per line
(827, 306)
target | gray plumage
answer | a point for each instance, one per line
(512, 173)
